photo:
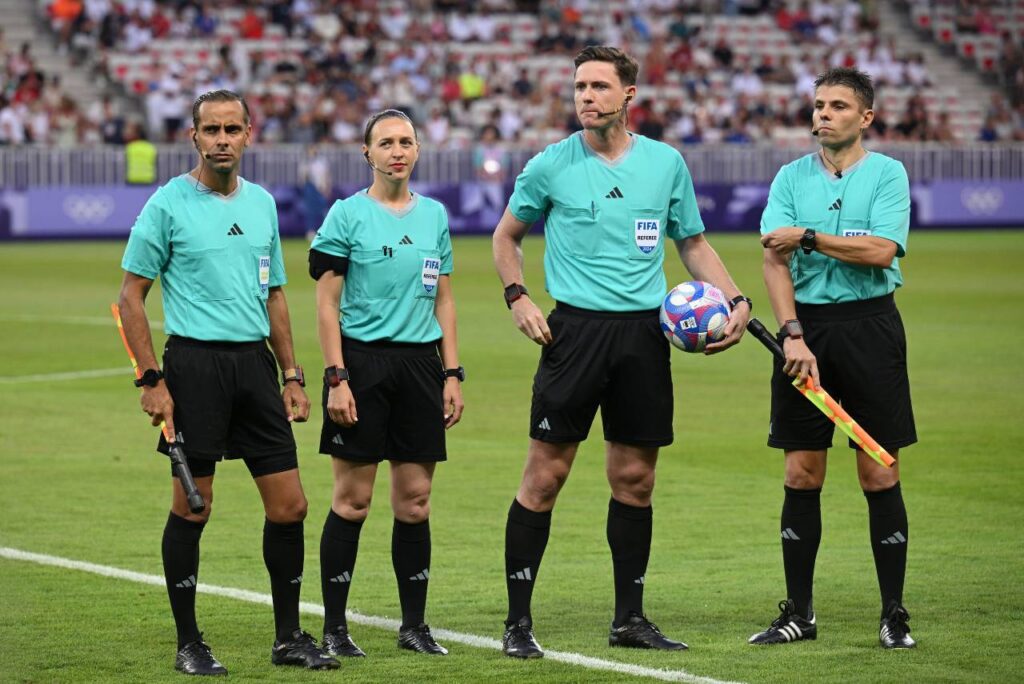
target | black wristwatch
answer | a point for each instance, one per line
(296, 376)
(150, 378)
(334, 376)
(792, 328)
(513, 292)
(808, 241)
(459, 373)
(740, 298)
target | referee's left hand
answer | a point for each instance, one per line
(734, 329)
(453, 404)
(296, 403)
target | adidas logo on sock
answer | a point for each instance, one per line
(788, 533)
(837, 205)
(614, 194)
(523, 574)
(405, 241)
(297, 580)
(187, 583)
(421, 576)
(544, 425)
(342, 578)
(338, 440)
(895, 538)
(235, 230)
(639, 580)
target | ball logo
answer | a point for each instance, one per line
(647, 233)
(982, 201)
(431, 272)
(687, 323)
(88, 208)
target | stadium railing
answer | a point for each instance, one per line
(27, 167)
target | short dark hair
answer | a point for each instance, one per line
(626, 67)
(217, 96)
(386, 114)
(857, 81)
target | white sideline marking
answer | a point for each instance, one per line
(368, 620)
(72, 320)
(70, 375)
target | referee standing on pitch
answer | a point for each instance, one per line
(833, 231)
(212, 239)
(609, 199)
(386, 394)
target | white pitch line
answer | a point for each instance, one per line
(70, 375)
(71, 320)
(368, 620)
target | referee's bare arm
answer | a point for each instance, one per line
(508, 259)
(703, 263)
(860, 250)
(296, 403)
(156, 401)
(800, 360)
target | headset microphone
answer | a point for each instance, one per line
(616, 111)
(372, 166)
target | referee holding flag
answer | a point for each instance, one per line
(212, 239)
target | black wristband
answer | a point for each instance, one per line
(740, 298)
(150, 378)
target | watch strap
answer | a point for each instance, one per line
(293, 375)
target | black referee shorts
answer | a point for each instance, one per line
(616, 360)
(227, 404)
(861, 350)
(399, 392)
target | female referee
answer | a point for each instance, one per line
(386, 394)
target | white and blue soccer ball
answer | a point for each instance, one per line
(694, 314)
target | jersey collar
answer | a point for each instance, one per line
(397, 213)
(603, 159)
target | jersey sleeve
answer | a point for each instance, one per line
(149, 244)
(444, 244)
(530, 199)
(683, 213)
(277, 274)
(332, 238)
(780, 210)
(890, 210)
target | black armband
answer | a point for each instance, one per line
(320, 263)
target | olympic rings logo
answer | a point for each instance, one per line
(88, 208)
(982, 200)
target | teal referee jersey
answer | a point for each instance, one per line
(216, 257)
(395, 260)
(871, 198)
(605, 223)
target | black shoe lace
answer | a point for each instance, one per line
(898, 617)
(646, 625)
(303, 641)
(198, 648)
(787, 611)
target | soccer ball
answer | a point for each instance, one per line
(694, 313)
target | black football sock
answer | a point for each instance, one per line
(180, 550)
(888, 524)
(410, 556)
(629, 537)
(283, 556)
(801, 536)
(526, 536)
(339, 544)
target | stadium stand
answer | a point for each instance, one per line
(732, 72)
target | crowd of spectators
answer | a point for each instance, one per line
(458, 67)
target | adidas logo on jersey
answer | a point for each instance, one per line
(405, 241)
(235, 230)
(837, 205)
(614, 194)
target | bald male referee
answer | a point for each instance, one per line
(212, 239)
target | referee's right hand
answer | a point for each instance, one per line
(530, 320)
(157, 402)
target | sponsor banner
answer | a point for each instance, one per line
(476, 207)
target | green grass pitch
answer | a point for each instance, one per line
(79, 479)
